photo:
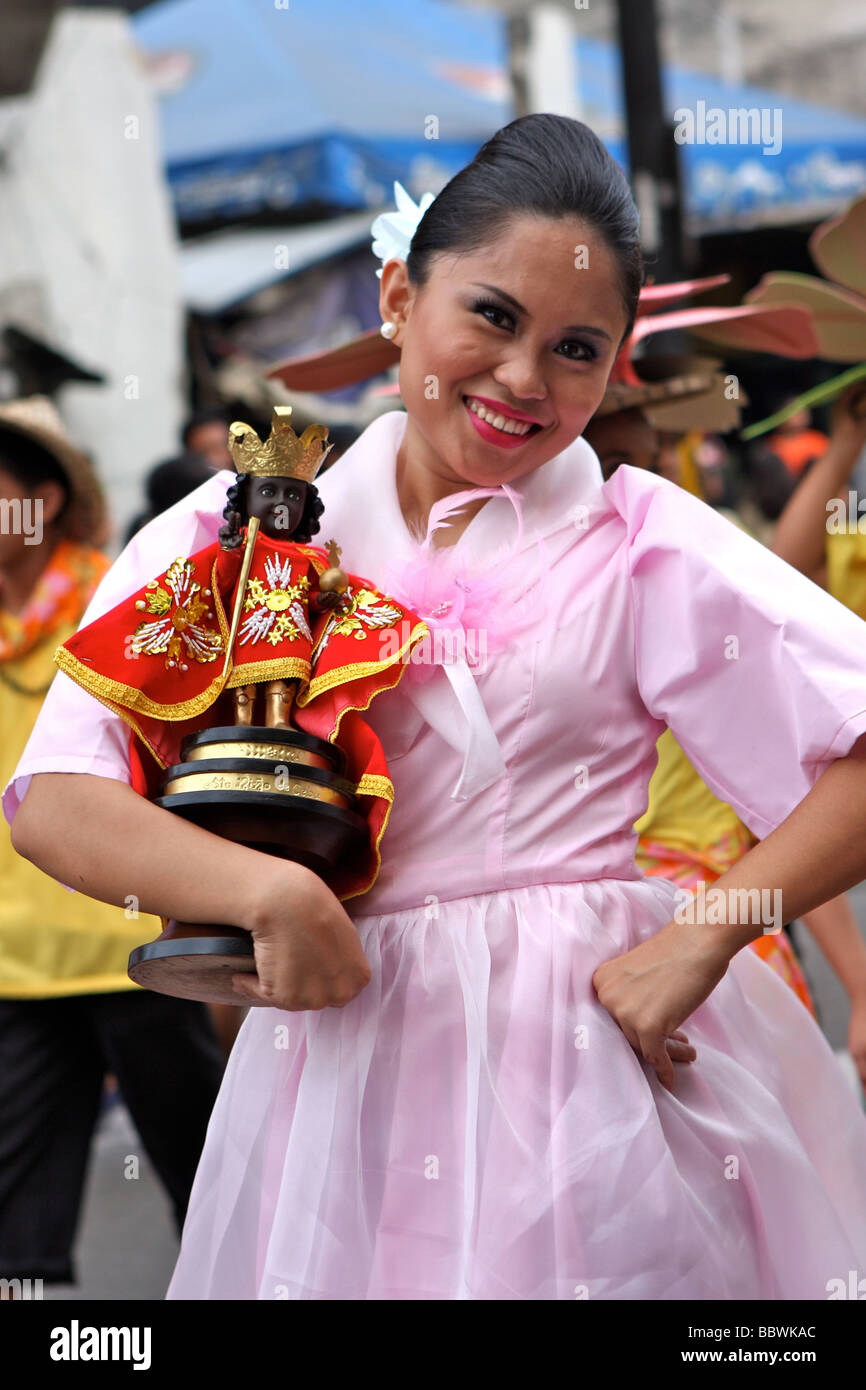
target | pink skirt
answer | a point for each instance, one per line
(475, 1126)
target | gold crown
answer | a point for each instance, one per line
(283, 455)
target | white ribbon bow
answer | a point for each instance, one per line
(466, 727)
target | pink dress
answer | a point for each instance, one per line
(475, 1125)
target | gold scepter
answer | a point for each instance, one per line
(252, 532)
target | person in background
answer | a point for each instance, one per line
(708, 472)
(769, 487)
(206, 433)
(69, 1014)
(796, 443)
(817, 537)
(167, 483)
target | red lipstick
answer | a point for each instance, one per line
(494, 436)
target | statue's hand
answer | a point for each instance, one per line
(326, 599)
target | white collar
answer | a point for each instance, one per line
(362, 509)
(366, 476)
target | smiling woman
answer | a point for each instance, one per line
(460, 1084)
(520, 285)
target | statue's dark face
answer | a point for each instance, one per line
(278, 503)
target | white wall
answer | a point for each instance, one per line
(85, 213)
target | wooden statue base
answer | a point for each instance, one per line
(193, 962)
(275, 790)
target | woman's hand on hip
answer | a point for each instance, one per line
(652, 989)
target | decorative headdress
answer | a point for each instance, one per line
(283, 455)
(393, 231)
(674, 390)
(369, 353)
(837, 305)
(780, 327)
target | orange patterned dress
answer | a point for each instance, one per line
(688, 836)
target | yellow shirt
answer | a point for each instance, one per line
(683, 814)
(846, 569)
(52, 942)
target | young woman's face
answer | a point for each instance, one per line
(524, 331)
(278, 503)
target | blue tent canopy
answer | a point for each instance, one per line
(320, 102)
(820, 163)
(328, 102)
(808, 160)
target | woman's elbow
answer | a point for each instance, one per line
(30, 829)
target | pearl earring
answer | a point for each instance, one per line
(388, 329)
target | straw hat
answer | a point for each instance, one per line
(35, 417)
(627, 395)
(677, 392)
(837, 305)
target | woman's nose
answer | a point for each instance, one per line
(522, 375)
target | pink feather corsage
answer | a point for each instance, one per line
(472, 610)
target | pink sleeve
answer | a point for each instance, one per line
(70, 735)
(759, 673)
(73, 731)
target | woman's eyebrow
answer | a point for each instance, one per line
(572, 328)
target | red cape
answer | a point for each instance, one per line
(158, 659)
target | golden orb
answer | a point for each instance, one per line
(334, 581)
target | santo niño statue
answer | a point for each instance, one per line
(259, 624)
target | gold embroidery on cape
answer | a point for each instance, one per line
(367, 612)
(319, 564)
(106, 691)
(176, 631)
(111, 705)
(279, 668)
(374, 784)
(276, 610)
(359, 670)
(384, 788)
(130, 696)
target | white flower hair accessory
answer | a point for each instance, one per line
(393, 231)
